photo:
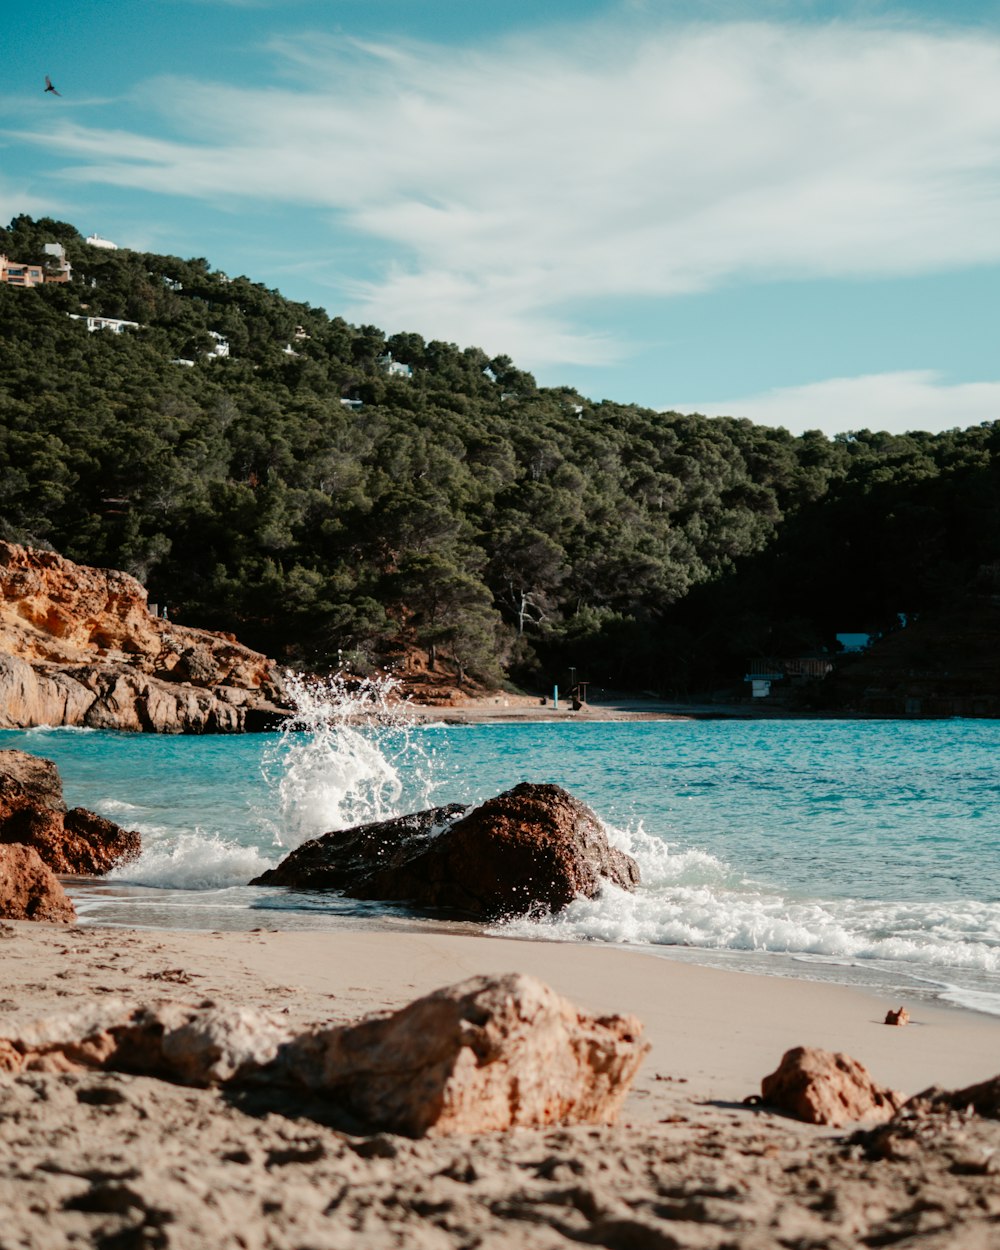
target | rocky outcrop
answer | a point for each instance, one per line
(29, 889)
(535, 847)
(489, 1054)
(821, 1087)
(33, 813)
(79, 646)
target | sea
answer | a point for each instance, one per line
(861, 852)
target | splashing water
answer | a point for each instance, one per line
(339, 760)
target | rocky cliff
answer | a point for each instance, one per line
(79, 646)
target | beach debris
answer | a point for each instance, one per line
(899, 1017)
(533, 848)
(29, 889)
(33, 813)
(823, 1087)
(488, 1054)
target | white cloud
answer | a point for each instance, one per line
(15, 199)
(895, 402)
(513, 183)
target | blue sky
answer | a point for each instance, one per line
(786, 211)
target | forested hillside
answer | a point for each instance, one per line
(450, 502)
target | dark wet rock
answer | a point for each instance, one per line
(347, 858)
(533, 848)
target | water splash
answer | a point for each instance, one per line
(340, 760)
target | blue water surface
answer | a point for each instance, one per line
(869, 843)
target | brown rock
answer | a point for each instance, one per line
(489, 1054)
(535, 847)
(29, 889)
(191, 1045)
(899, 1017)
(981, 1099)
(825, 1088)
(32, 813)
(79, 646)
(28, 781)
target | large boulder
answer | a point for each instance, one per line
(533, 848)
(80, 646)
(822, 1087)
(489, 1054)
(29, 889)
(346, 859)
(33, 813)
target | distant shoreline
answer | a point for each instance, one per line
(525, 709)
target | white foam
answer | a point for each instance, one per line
(338, 762)
(692, 899)
(193, 861)
(116, 807)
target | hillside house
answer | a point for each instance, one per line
(763, 672)
(18, 273)
(95, 240)
(114, 324)
(221, 349)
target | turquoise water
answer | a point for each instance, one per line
(862, 851)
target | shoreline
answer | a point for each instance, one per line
(719, 1030)
(915, 986)
(530, 709)
(105, 1158)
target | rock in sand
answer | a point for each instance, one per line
(29, 889)
(822, 1087)
(489, 1054)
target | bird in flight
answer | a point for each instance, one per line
(49, 86)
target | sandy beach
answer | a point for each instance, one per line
(113, 1160)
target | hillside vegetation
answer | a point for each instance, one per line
(451, 503)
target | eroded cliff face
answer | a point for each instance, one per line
(79, 646)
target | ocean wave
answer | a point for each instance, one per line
(116, 807)
(689, 898)
(193, 861)
(341, 757)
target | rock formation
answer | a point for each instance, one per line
(981, 1099)
(79, 646)
(825, 1088)
(33, 813)
(29, 889)
(532, 848)
(489, 1054)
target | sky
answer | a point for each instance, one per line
(783, 211)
